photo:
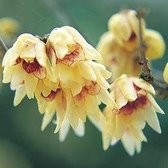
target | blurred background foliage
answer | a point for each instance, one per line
(22, 144)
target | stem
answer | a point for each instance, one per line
(3, 47)
(157, 81)
(145, 70)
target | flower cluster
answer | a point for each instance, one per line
(61, 74)
(119, 46)
(135, 107)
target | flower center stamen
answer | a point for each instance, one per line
(130, 107)
(72, 57)
(30, 67)
(52, 95)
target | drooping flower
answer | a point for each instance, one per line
(125, 27)
(116, 58)
(54, 102)
(69, 46)
(119, 46)
(82, 81)
(136, 107)
(165, 73)
(24, 65)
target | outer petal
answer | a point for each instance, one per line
(19, 95)
(144, 85)
(86, 71)
(30, 85)
(153, 121)
(46, 119)
(154, 104)
(127, 88)
(119, 25)
(80, 130)
(64, 130)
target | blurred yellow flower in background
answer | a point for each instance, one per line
(136, 107)
(125, 28)
(9, 27)
(165, 73)
(155, 45)
(116, 58)
(119, 46)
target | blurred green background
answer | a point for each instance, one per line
(22, 144)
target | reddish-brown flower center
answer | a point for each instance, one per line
(91, 88)
(130, 107)
(72, 57)
(132, 36)
(52, 95)
(30, 67)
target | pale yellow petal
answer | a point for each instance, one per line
(119, 25)
(154, 104)
(30, 85)
(46, 119)
(7, 74)
(28, 53)
(128, 144)
(41, 55)
(127, 88)
(143, 85)
(80, 130)
(17, 77)
(19, 95)
(106, 140)
(64, 130)
(153, 121)
(86, 71)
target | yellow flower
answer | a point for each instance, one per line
(8, 27)
(116, 58)
(69, 46)
(81, 89)
(24, 65)
(121, 60)
(136, 107)
(165, 73)
(54, 102)
(125, 27)
(155, 44)
(82, 82)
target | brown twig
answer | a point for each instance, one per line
(157, 81)
(145, 70)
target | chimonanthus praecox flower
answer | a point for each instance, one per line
(24, 65)
(119, 46)
(80, 82)
(136, 107)
(165, 73)
(125, 27)
(61, 74)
